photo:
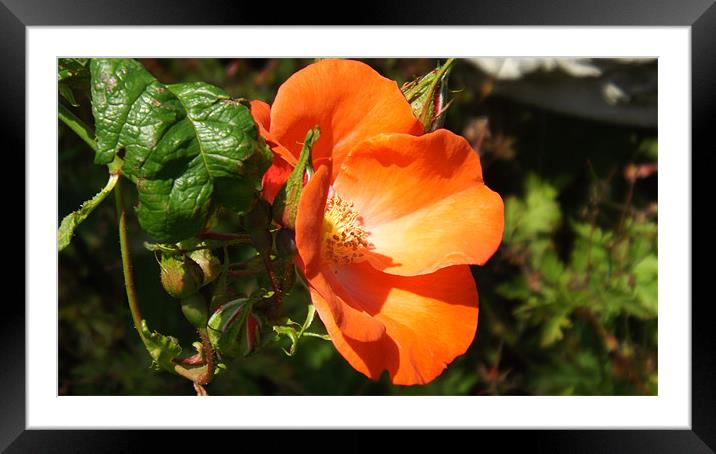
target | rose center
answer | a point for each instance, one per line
(344, 237)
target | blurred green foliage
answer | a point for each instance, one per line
(568, 304)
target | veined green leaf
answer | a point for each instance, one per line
(116, 86)
(186, 146)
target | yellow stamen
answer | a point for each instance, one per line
(344, 238)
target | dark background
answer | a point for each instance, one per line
(567, 305)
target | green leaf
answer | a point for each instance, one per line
(542, 213)
(552, 331)
(187, 146)
(72, 220)
(66, 92)
(517, 289)
(116, 86)
(71, 72)
(649, 148)
(72, 67)
(162, 349)
(309, 318)
(646, 274)
(291, 333)
(513, 209)
(551, 267)
(538, 213)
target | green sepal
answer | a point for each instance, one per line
(295, 331)
(195, 310)
(210, 265)
(285, 205)
(71, 221)
(163, 349)
(226, 324)
(427, 94)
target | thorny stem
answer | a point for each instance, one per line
(127, 260)
(85, 133)
(199, 376)
(278, 291)
(208, 353)
(203, 375)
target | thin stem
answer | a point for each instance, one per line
(77, 125)
(627, 206)
(208, 352)
(243, 273)
(192, 374)
(127, 260)
(278, 291)
(230, 237)
(320, 336)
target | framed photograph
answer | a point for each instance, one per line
(480, 219)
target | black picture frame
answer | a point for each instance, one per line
(16, 15)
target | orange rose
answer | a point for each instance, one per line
(389, 223)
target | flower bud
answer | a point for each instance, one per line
(180, 275)
(285, 205)
(195, 310)
(251, 332)
(209, 264)
(426, 96)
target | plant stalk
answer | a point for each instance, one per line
(77, 125)
(127, 260)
